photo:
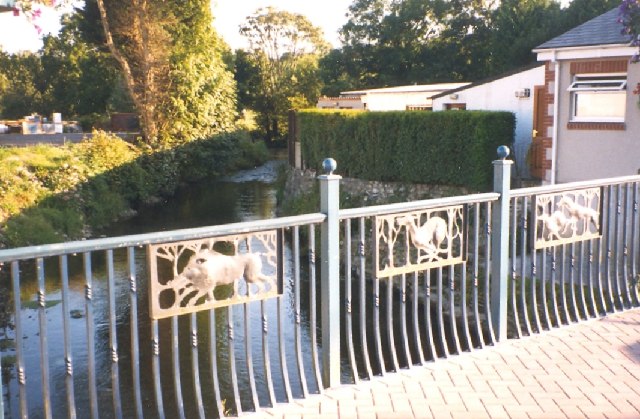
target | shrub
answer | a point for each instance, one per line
(452, 148)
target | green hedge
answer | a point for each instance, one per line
(452, 148)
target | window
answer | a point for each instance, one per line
(598, 98)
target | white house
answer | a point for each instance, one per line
(399, 98)
(591, 124)
(517, 91)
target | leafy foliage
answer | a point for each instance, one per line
(395, 42)
(53, 193)
(281, 70)
(448, 148)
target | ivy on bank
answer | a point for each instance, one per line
(51, 194)
(447, 148)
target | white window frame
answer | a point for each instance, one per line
(597, 84)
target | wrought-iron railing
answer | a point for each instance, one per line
(215, 321)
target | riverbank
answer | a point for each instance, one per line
(58, 193)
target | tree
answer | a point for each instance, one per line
(285, 48)
(630, 19)
(21, 87)
(171, 63)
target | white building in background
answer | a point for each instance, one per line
(518, 92)
(399, 98)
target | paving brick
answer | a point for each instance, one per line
(589, 369)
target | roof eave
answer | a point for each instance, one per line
(584, 52)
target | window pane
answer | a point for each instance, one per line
(600, 105)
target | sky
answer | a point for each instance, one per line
(16, 33)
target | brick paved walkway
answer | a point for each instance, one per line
(591, 369)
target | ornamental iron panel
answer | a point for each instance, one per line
(198, 275)
(567, 217)
(415, 241)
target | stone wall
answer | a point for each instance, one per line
(358, 192)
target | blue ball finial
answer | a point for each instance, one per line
(503, 152)
(329, 165)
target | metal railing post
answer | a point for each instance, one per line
(330, 274)
(500, 243)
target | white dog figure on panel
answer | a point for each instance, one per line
(554, 224)
(428, 236)
(579, 212)
(207, 269)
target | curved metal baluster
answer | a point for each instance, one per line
(265, 354)
(363, 299)
(249, 355)
(543, 289)
(634, 246)
(514, 274)
(390, 335)
(441, 333)
(213, 356)
(403, 311)
(616, 251)
(534, 285)
(403, 320)
(133, 319)
(281, 316)
(347, 300)
(590, 271)
(554, 283)
(113, 340)
(195, 364)
(232, 360)
(417, 341)
(465, 314)
(44, 346)
(155, 365)
(572, 281)
(19, 333)
(583, 300)
(476, 280)
(453, 324)
(487, 276)
(296, 293)
(175, 353)
(563, 282)
(66, 332)
(376, 324)
(313, 307)
(283, 356)
(600, 257)
(607, 248)
(625, 249)
(523, 270)
(91, 352)
(427, 314)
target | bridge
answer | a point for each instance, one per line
(509, 303)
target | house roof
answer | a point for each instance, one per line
(488, 80)
(601, 30)
(435, 88)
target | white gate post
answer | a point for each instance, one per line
(500, 243)
(330, 274)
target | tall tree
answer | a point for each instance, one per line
(172, 65)
(285, 48)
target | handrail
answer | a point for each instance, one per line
(562, 187)
(119, 242)
(414, 205)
